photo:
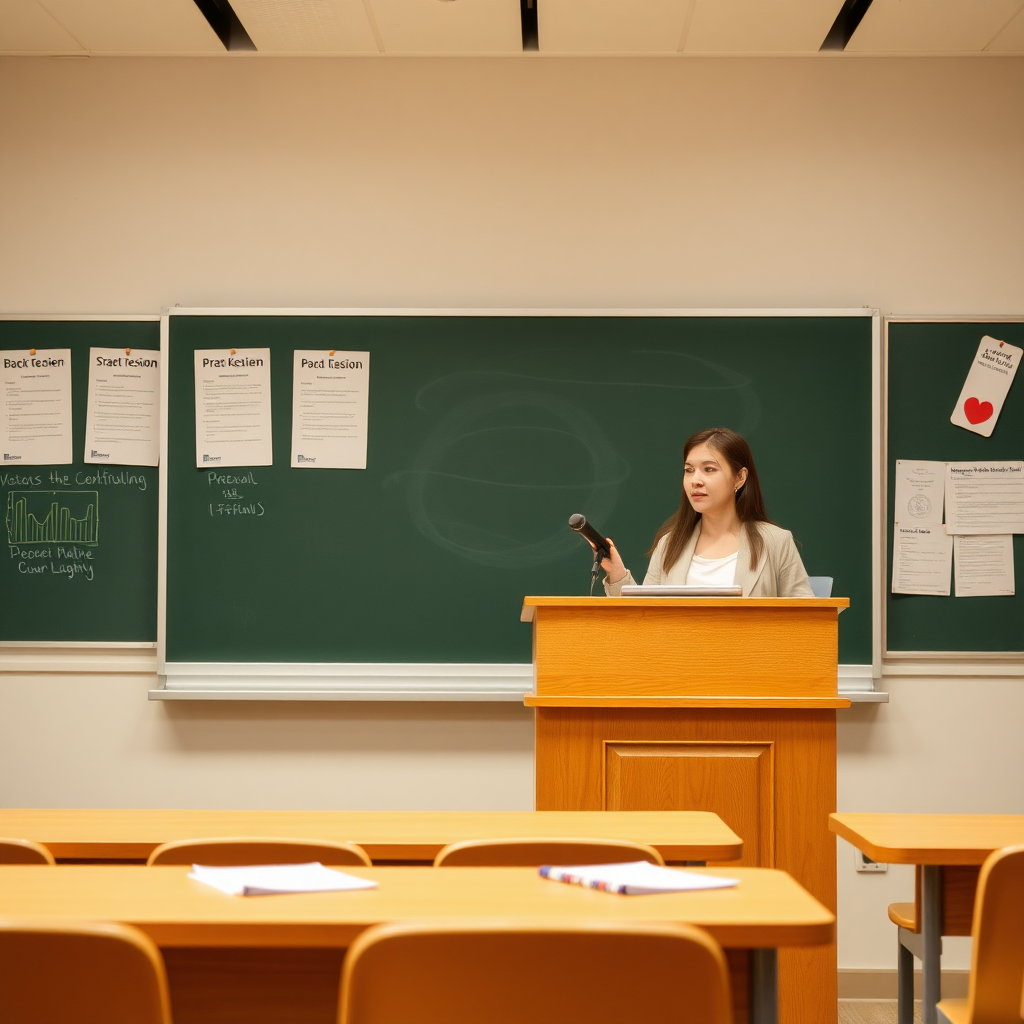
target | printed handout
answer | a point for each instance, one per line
(988, 381)
(983, 565)
(985, 497)
(35, 422)
(919, 491)
(122, 424)
(922, 556)
(330, 392)
(233, 415)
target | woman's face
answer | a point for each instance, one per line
(709, 482)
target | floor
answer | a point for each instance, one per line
(869, 1011)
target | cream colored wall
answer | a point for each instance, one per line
(126, 185)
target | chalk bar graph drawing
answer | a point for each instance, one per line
(42, 517)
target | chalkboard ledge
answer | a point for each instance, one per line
(391, 682)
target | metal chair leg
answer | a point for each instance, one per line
(905, 980)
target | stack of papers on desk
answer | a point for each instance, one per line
(636, 878)
(274, 879)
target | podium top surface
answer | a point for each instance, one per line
(739, 603)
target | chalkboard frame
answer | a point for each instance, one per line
(91, 649)
(903, 656)
(461, 681)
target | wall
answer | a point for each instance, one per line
(129, 184)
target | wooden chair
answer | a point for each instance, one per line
(453, 972)
(997, 956)
(24, 851)
(87, 973)
(241, 851)
(531, 853)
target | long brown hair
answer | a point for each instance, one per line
(749, 502)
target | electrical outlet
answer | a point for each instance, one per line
(864, 863)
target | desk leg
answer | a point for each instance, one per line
(764, 986)
(931, 935)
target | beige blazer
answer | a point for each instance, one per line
(779, 573)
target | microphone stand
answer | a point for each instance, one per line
(595, 569)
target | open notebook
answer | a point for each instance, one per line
(276, 879)
(635, 878)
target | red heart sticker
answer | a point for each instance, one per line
(977, 412)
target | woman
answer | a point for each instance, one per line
(721, 534)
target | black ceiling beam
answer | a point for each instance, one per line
(528, 17)
(223, 20)
(847, 20)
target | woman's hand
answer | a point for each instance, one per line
(613, 566)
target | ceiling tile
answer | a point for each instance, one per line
(1011, 39)
(610, 26)
(307, 26)
(931, 26)
(449, 26)
(760, 26)
(136, 26)
(26, 28)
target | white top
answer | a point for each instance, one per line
(712, 572)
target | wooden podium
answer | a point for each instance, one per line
(709, 704)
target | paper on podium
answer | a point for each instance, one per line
(277, 879)
(635, 878)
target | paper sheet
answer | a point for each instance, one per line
(922, 557)
(122, 424)
(988, 381)
(233, 418)
(919, 491)
(634, 878)
(330, 392)
(278, 879)
(985, 497)
(983, 565)
(35, 421)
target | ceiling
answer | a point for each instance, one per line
(123, 27)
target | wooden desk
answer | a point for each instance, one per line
(679, 836)
(948, 851)
(296, 942)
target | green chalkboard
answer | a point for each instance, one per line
(97, 592)
(485, 435)
(928, 363)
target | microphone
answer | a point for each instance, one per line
(581, 526)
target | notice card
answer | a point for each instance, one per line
(984, 566)
(35, 422)
(985, 497)
(919, 491)
(122, 424)
(330, 392)
(233, 407)
(922, 558)
(987, 383)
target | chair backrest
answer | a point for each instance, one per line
(454, 972)
(821, 586)
(87, 973)
(24, 851)
(531, 853)
(997, 956)
(241, 851)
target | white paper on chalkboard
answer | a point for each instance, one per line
(985, 497)
(983, 565)
(919, 491)
(988, 381)
(35, 420)
(233, 417)
(122, 423)
(330, 395)
(922, 558)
